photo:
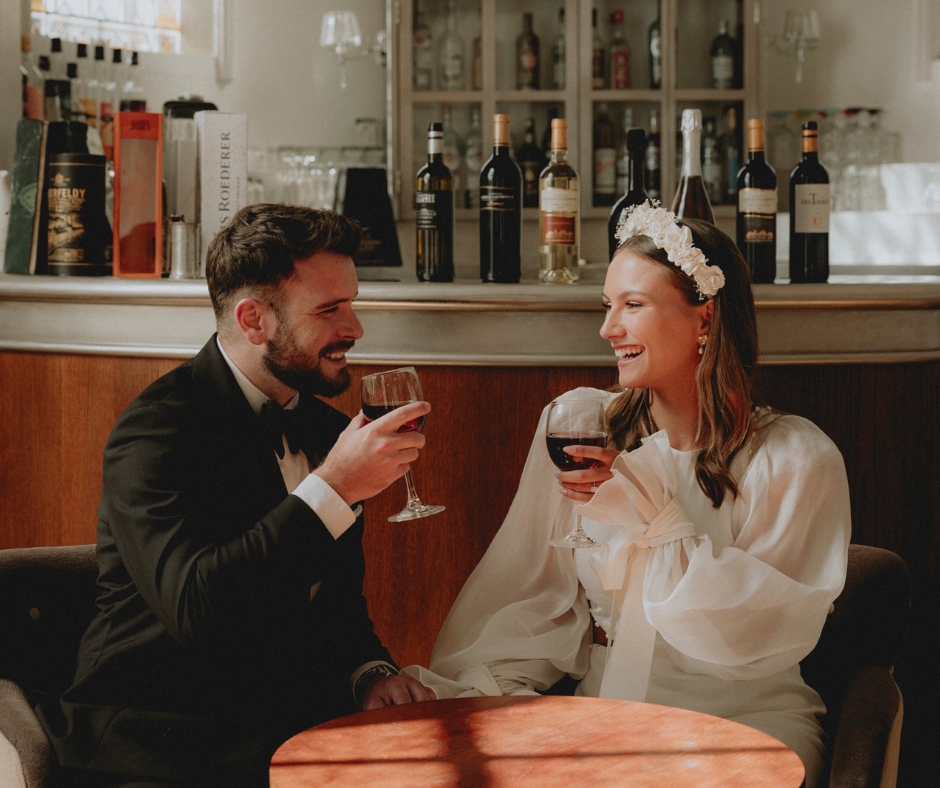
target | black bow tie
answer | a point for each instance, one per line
(277, 422)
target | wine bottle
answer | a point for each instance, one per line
(558, 54)
(732, 148)
(527, 56)
(477, 72)
(653, 157)
(500, 210)
(635, 193)
(434, 213)
(423, 52)
(654, 45)
(605, 159)
(451, 69)
(619, 53)
(532, 161)
(756, 220)
(451, 150)
(712, 173)
(473, 160)
(623, 153)
(809, 213)
(598, 56)
(723, 58)
(691, 200)
(559, 213)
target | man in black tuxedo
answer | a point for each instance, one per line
(230, 608)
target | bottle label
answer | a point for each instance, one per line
(723, 71)
(503, 199)
(433, 210)
(757, 201)
(605, 170)
(558, 229)
(811, 208)
(620, 69)
(555, 200)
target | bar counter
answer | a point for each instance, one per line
(850, 320)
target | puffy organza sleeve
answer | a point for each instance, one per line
(521, 620)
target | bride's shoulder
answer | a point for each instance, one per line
(785, 434)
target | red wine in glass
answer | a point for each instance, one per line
(373, 412)
(565, 462)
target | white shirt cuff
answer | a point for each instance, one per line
(327, 504)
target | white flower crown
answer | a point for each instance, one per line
(660, 226)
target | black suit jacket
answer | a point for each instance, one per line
(207, 650)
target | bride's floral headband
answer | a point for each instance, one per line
(660, 226)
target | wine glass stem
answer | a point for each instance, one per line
(414, 501)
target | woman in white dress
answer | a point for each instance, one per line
(725, 526)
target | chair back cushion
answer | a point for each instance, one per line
(47, 599)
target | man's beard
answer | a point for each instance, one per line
(301, 371)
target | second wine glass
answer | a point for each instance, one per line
(575, 423)
(382, 393)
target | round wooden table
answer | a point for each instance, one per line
(522, 741)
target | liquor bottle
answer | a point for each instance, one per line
(654, 45)
(756, 220)
(531, 161)
(97, 82)
(132, 94)
(558, 54)
(527, 56)
(57, 89)
(423, 54)
(84, 107)
(691, 200)
(559, 213)
(619, 53)
(434, 213)
(451, 69)
(451, 150)
(598, 56)
(500, 210)
(31, 80)
(653, 158)
(712, 171)
(109, 102)
(732, 150)
(635, 193)
(605, 159)
(623, 152)
(477, 72)
(739, 44)
(809, 213)
(473, 160)
(723, 58)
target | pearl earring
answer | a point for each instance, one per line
(701, 343)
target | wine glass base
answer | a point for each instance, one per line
(576, 540)
(415, 512)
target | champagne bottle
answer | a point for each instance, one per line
(756, 220)
(653, 157)
(605, 159)
(558, 54)
(691, 200)
(654, 45)
(532, 162)
(434, 213)
(809, 213)
(619, 53)
(635, 193)
(559, 213)
(598, 56)
(500, 210)
(423, 52)
(723, 58)
(527, 56)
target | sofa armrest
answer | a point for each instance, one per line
(870, 709)
(19, 724)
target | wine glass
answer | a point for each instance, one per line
(381, 394)
(575, 423)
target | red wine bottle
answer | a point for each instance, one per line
(691, 200)
(756, 220)
(809, 213)
(635, 193)
(434, 213)
(500, 210)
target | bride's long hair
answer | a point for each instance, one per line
(724, 378)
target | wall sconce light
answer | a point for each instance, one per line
(340, 32)
(801, 31)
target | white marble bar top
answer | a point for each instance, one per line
(854, 318)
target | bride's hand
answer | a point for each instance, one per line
(581, 485)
